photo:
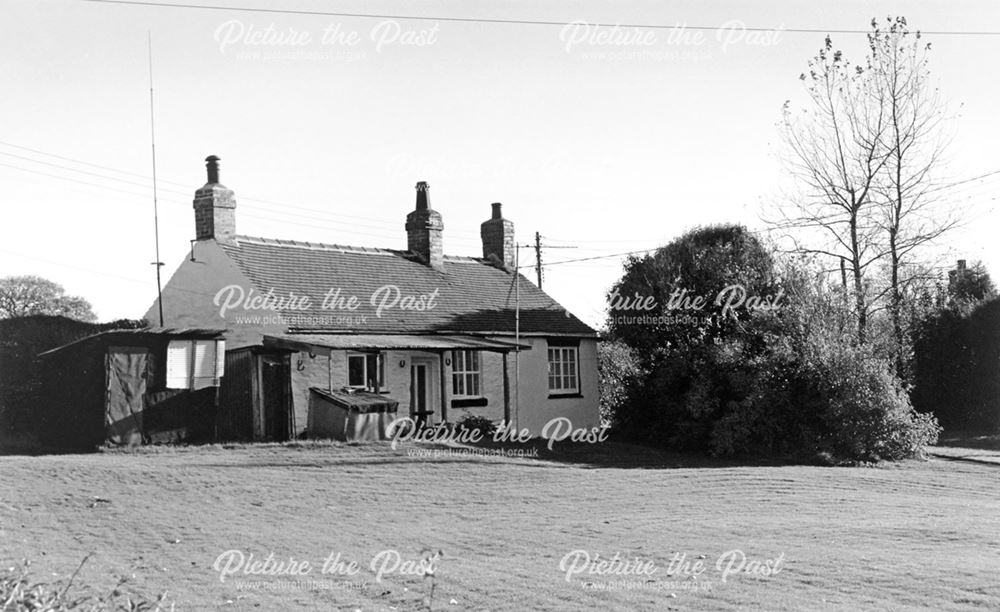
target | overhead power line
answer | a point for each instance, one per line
(531, 22)
(963, 181)
(324, 217)
(566, 261)
(323, 224)
(78, 161)
(87, 172)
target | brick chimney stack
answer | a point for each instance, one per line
(214, 207)
(424, 227)
(498, 237)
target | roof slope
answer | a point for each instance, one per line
(471, 294)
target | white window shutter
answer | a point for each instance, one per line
(204, 364)
(220, 359)
(179, 365)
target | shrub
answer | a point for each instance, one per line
(789, 383)
(481, 424)
(619, 371)
(827, 397)
(765, 420)
(864, 410)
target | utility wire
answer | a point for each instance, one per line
(346, 226)
(280, 210)
(79, 161)
(349, 228)
(532, 22)
(565, 261)
(87, 172)
(381, 223)
(326, 222)
(331, 219)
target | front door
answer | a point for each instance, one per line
(275, 383)
(419, 392)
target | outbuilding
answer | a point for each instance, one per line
(132, 386)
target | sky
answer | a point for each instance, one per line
(604, 140)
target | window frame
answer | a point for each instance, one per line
(380, 384)
(566, 355)
(465, 374)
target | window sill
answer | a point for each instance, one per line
(565, 395)
(382, 392)
(469, 402)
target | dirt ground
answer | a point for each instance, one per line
(511, 533)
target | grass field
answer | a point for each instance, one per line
(915, 535)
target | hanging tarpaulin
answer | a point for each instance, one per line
(127, 369)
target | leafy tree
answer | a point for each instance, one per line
(956, 351)
(654, 305)
(971, 284)
(22, 296)
(684, 311)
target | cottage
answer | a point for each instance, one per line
(440, 336)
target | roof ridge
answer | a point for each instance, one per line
(316, 246)
(343, 248)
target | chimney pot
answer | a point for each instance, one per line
(423, 198)
(961, 265)
(212, 164)
(496, 210)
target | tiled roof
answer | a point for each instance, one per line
(473, 296)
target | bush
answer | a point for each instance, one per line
(790, 383)
(864, 410)
(825, 397)
(481, 424)
(620, 371)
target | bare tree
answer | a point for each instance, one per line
(21, 296)
(913, 213)
(865, 154)
(835, 151)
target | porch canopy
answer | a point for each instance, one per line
(326, 344)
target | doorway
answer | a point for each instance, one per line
(276, 396)
(421, 396)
